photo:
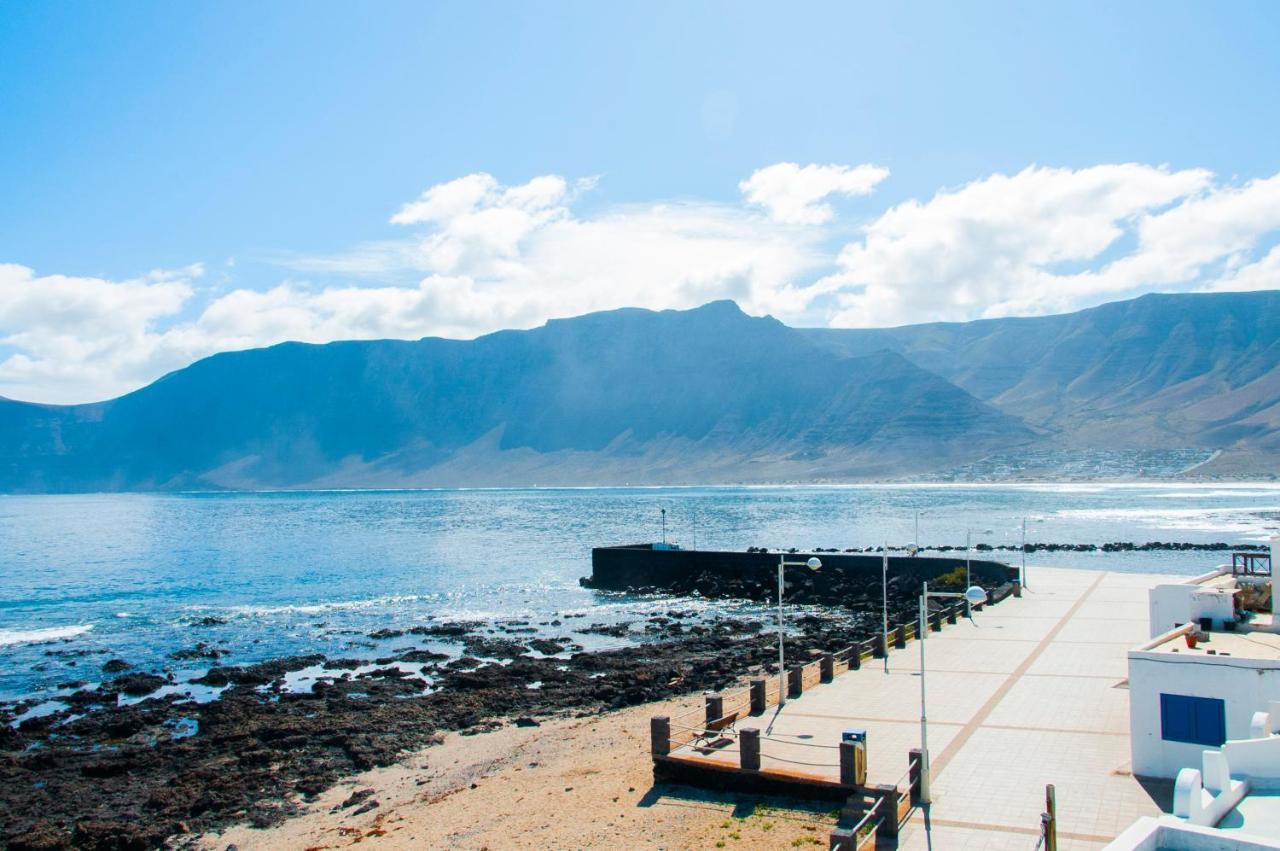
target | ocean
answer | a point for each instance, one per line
(88, 578)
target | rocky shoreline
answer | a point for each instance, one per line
(101, 772)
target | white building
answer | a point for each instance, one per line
(1211, 665)
(1185, 699)
(1204, 708)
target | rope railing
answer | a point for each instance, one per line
(690, 713)
(708, 748)
(857, 828)
(704, 729)
(906, 775)
(801, 744)
(801, 762)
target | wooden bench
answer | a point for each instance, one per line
(712, 729)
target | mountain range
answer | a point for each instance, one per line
(698, 396)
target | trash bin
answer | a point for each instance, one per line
(857, 772)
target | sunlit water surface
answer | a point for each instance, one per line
(88, 578)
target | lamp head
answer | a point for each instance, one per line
(975, 595)
(814, 563)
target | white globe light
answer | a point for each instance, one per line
(975, 595)
(814, 563)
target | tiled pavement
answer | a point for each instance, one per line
(1030, 693)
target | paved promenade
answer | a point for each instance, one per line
(1031, 693)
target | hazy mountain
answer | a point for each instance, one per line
(625, 396)
(1191, 370)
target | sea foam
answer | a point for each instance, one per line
(35, 636)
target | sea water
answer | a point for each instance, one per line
(88, 578)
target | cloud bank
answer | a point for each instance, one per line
(486, 256)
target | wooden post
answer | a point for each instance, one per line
(935, 621)
(714, 707)
(881, 649)
(951, 615)
(848, 764)
(1017, 589)
(828, 667)
(749, 748)
(900, 637)
(660, 735)
(795, 680)
(891, 798)
(1049, 820)
(855, 660)
(759, 697)
(915, 759)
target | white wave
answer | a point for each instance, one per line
(1241, 520)
(319, 608)
(36, 636)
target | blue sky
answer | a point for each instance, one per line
(163, 163)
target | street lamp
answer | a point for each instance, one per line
(974, 596)
(783, 564)
(1022, 577)
(884, 603)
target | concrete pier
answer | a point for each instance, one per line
(1031, 692)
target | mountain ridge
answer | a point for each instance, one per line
(680, 397)
(632, 395)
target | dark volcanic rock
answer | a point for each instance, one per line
(496, 648)
(456, 629)
(136, 685)
(115, 666)
(421, 656)
(200, 651)
(43, 836)
(259, 674)
(118, 778)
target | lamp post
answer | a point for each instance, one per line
(973, 595)
(783, 564)
(1023, 577)
(968, 556)
(884, 604)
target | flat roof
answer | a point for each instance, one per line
(1254, 640)
(1246, 644)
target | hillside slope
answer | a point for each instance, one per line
(1187, 370)
(624, 396)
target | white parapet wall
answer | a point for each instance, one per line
(1210, 595)
(1245, 685)
(1151, 834)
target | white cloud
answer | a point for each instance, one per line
(485, 256)
(1045, 240)
(490, 257)
(75, 336)
(792, 194)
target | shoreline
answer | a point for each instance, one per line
(141, 774)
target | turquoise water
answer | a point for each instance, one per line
(88, 578)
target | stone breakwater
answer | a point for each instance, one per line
(1041, 547)
(100, 772)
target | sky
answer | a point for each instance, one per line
(179, 179)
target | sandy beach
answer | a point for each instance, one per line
(570, 783)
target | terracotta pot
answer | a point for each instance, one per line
(1191, 640)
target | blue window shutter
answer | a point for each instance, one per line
(1195, 720)
(1210, 721)
(1176, 721)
